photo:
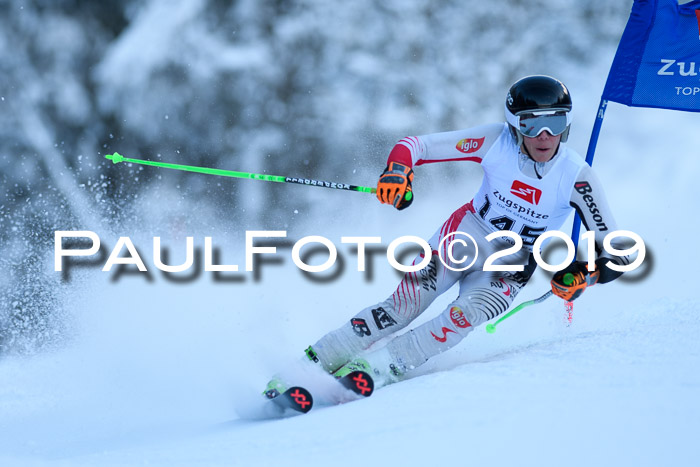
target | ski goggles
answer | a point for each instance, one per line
(532, 123)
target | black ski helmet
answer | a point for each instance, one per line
(537, 93)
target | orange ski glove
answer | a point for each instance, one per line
(394, 186)
(570, 282)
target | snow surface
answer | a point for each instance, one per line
(158, 372)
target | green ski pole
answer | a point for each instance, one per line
(117, 158)
(491, 327)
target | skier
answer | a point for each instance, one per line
(531, 182)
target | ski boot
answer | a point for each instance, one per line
(278, 385)
(275, 387)
(358, 364)
(380, 365)
(356, 376)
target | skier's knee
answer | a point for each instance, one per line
(456, 316)
(479, 307)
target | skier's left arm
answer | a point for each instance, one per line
(589, 201)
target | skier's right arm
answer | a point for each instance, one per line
(394, 186)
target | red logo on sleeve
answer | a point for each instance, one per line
(528, 193)
(697, 13)
(470, 144)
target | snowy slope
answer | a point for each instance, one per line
(617, 391)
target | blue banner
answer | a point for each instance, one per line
(657, 63)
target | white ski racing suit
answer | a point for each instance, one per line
(517, 194)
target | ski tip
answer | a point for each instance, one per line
(295, 398)
(359, 382)
(302, 399)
